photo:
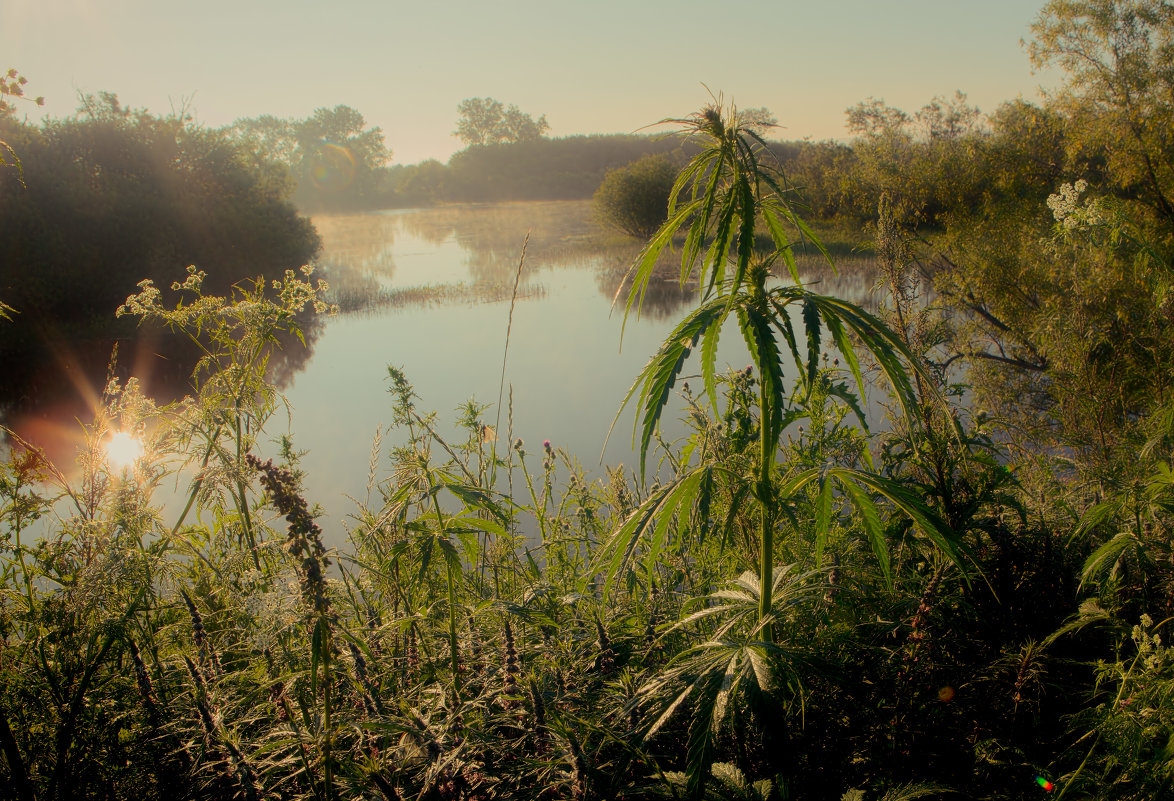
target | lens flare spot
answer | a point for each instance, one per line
(1044, 783)
(123, 449)
(946, 694)
(332, 168)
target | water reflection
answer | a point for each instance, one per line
(664, 298)
(357, 256)
(429, 290)
(854, 279)
(59, 382)
(487, 240)
(471, 253)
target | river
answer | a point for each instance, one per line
(429, 292)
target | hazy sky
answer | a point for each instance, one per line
(602, 66)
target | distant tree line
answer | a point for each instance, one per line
(335, 162)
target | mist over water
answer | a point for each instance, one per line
(429, 292)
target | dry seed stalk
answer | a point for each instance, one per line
(510, 670)
(606, 659)
(207, 652)
(371, 701)
(146, 689)
(411, 656)
(538, 705)
(374, 624)
(239, 766)
(305, 537)
(579, 786)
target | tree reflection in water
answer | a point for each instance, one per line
(62, 380)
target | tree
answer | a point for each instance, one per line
(485, 121)
(118, 195)
(1119, 95)
(11, 85)
(925, 163)
(759, 120)
(873, 117)
(269, 138)
(332, 156)
(1064, 318)
(345, 127)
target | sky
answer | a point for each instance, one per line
(589, 66)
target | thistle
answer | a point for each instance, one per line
(918, 627)
(919, 634)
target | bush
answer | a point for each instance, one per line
(635, 199)
(113, 196)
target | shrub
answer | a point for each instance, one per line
(113, 196)
(635, 198)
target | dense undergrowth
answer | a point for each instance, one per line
(797, 608)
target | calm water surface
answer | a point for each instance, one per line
(429, 292)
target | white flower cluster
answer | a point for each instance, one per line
(1070, 212)
(193, 283)
(1149, 646)
(296, 294)
(144, 303)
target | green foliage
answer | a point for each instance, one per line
(1118, 57)
(335, 162)
(635, 199)
(236, 664)
(796, 607)
(116, 196)
(485, 121)
(928, 164)
(1075, 313)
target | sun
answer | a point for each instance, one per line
(123, 449)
